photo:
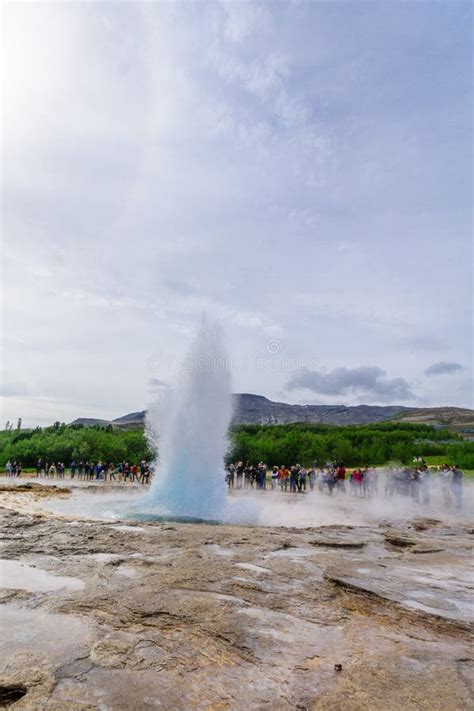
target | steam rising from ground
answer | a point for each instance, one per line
(319, 509)
(264, 508)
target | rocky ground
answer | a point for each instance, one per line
(120, 616)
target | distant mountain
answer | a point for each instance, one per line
(90, 421)
(256, 409)
(458, 418)
(134, 418)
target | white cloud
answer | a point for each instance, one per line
(365, 382)
(245, 160)
(442, 368)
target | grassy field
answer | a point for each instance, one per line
(437, 461)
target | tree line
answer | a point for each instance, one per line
(63, 443)
(373, 444)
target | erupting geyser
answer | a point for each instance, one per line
(190, 427)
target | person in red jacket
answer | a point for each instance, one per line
(341, 478)
(357, 477)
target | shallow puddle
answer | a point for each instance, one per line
(131, 529)
(126, 571)
(56, 636)
(217, 549)
(16, 575)
(105, 557)
(255, 568)
(292, 553)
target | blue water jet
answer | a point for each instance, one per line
(189, 426)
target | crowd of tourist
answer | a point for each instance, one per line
(414, 482)
(13, 468)
(333, 478)
(88, 471)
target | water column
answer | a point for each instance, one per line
(190, 426)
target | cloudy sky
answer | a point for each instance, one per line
(302, 172)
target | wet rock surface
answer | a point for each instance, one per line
(34, 488)
(185, 616)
